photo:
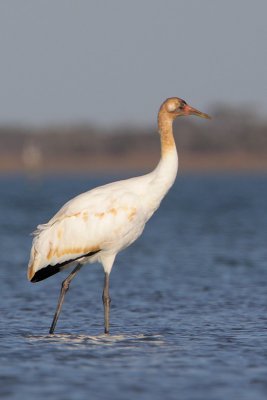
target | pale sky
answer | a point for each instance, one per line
(113, 62)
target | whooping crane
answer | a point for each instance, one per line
(98, 224)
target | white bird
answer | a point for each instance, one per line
(98, 224)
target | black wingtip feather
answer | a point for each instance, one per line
(50, 270)
(45, 273)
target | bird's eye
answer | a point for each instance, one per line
(182, 105)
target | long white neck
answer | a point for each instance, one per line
(166, 170)
(163, 176)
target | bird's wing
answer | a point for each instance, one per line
(100, 220)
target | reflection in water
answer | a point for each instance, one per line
(107, 340)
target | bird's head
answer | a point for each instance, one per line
(175, 107)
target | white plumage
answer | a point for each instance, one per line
(96, 225)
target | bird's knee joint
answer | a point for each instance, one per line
(106, 299)
(65, 285)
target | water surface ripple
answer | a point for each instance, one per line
(189, 309)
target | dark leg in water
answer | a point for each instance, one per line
(106, 302)
(64, 288)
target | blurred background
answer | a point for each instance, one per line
(81, 83)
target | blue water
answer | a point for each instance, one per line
(189, 299)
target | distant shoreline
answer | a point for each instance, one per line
(108, 163)
(231, 141)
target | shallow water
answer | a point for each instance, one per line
(188, 315)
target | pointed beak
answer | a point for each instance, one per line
(188, 110)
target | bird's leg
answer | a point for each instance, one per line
(64, 288)
(106, 302)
